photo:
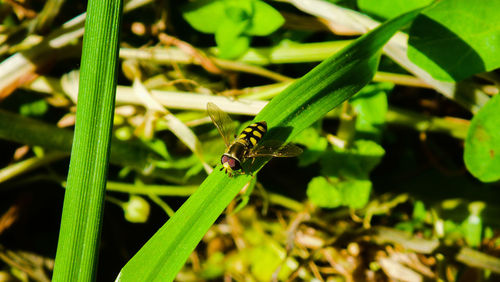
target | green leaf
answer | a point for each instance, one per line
(387, 9)
(372, 153)
(339, 163)
(78, 245)
(455, 39)
(370, 106)
(239, 10)
(310, 138)
(323, 193)
(482, 144)
(265, 19)
(204, 15)
(419, 212)
(230, 39)
(352, 163)
(334, 192)
(355, 193)
(472, 226)
(310, 156)
(304, 102)
(315, 145)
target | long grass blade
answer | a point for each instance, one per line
(78, 246)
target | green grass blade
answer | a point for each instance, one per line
(77, 249)
(300, 105)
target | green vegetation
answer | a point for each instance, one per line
(399, 173)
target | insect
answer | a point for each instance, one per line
(248, 144)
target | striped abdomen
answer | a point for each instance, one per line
(253, 133)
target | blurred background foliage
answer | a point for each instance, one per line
(401, 182)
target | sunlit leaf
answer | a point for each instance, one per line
(265, 19)
(370, 106)
(230, 38)
(315, 145)
(355, 193)
(323, 193)
(353, 163)
(482, 145)
(387, 9)
(455, 39)
(204, 15)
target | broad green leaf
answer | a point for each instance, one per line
(455, 39)
(334, 192)
(353, 163)
(301, 104)
(482, 144)
(310, 156)
(387, 9)
(239, 10)
(310, 138)
(343, 164)
(323, 193)
(370, 106)
(204, 15)
(355, 193)
(231, 40)
(315, 145)
(265, 19)
(372, 153)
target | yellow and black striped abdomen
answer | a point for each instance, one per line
(253, 133)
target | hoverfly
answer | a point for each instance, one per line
(247, 144)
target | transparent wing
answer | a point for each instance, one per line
(274, 148)
(222, 121)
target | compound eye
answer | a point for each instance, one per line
(233, 163)
(224, 159)
(230, 161)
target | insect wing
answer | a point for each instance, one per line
(275, 149)
(222, 121)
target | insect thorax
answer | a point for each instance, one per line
(237, 151)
